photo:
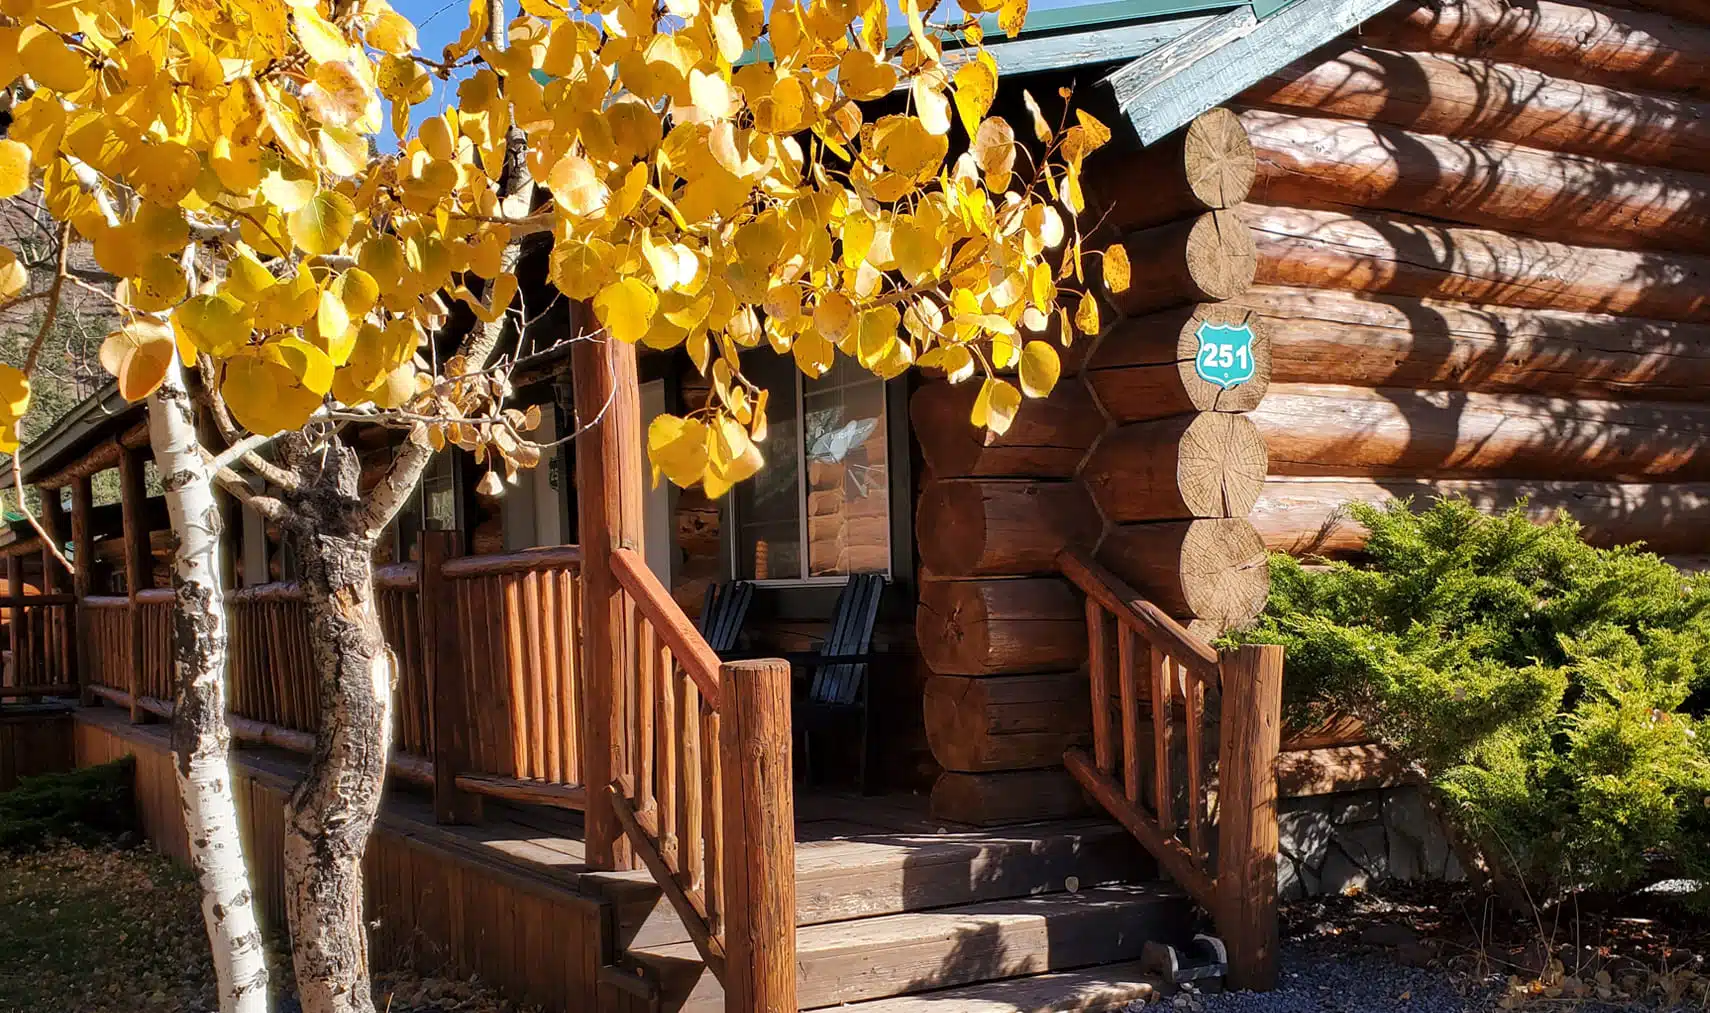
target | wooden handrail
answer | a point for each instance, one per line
(669, 621)
(549, 557)
(104, 601)
(279, 590)
(398, 576)
(28, 600)
(156, 596)
(1145, 618)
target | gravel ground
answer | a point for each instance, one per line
(1316, 982)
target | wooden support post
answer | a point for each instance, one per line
(137, 569)
(15, 619)
(760, 837)
(444, 667)
(82, 579)
(608, 516)
(56, 647)
(1247, 822)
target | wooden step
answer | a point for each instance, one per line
(920, 951)
(1106, 987)
(880, 874)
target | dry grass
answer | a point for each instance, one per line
(104, 931)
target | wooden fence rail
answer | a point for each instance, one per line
(1202, 799)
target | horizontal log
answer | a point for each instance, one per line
(1372, 253)
(1143, 367)
(1047, 439)
(1457, 97)
(1014, 796)
(1696, 11)
(1000, 527)
(1209, 464)
(1335, 165)
(1329, 429)
(1207, 257)
(558, 796)
(1309, 516)
(1202, 569)
(1632, 50)
(1321, 335)
(1205, 166)
(1011, 722)
(985, 627)
(546, 557)
(1335, 769)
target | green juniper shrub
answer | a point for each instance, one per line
(87, 807)
(1551, 692)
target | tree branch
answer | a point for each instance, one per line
(270, 507)
(53, 296)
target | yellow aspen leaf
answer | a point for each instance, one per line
(321, 39)
(976, 85)
(814, 354)
(51, 63)
(358, 291)
(1005, 350)
(437, 138)
(994, 152)
(263, 396)
(13, 277)
(322, 225)
(338, 95)
(876, 334)
(216, 324)
(14, 168)
(1086, 314)
(1097, 134)
(833, 314)
(159, 285)
(311, 366)
(734, 457)
(1116, 278)
(331, 328)
(917, 30)
(931, 107)
(14, 391)
(1000, 401)
(576, 187)
(167, 173)
(1012, 16)
(237, 167)
(397, 387)
(678, 449)
(137, 355)
(1041, 129)
(864, 77)
(1044, 288)
(392, 33)
(1040, 368)
(626, 308)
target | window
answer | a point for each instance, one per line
(820, 509)
(433, 506)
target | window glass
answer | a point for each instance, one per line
(768, 506)
(848, 493)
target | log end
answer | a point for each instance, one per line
(1222, 259)
(1218, 158)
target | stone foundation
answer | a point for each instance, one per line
(1342, 842)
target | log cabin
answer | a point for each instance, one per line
(1444, 248)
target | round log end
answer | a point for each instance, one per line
(1219, 159)
(1221, 465)
(1222, 259)
(1205, 395)
(1224, 573)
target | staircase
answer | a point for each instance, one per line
(975, 922)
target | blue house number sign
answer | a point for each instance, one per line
(1225, 354)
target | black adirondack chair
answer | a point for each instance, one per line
(723, 614)
(836, 676)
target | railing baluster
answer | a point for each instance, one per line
(1193, 695)
(647, 677)
(697, 775)
(1161, 737)
(527, 585)
(1127, 668)
(543, 634)
(712, 880)
(671, 731)
(569, 659)
(1098, 677)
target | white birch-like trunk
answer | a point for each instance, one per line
(201, 739)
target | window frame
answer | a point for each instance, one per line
(899, 482)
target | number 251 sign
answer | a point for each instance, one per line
(1225, 354)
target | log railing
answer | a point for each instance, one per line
(105, 622)
(703, 789)
(1200, 796)
(41, 643)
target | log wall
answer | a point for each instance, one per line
(1480, 235)
(1472, 241)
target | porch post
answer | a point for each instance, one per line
(608, 516)
(15, 616)
(82, 578)
(131, 496)
(446, 690)
(57, 642)
(1247, 822)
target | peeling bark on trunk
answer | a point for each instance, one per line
(332, 812)
(201, 741)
